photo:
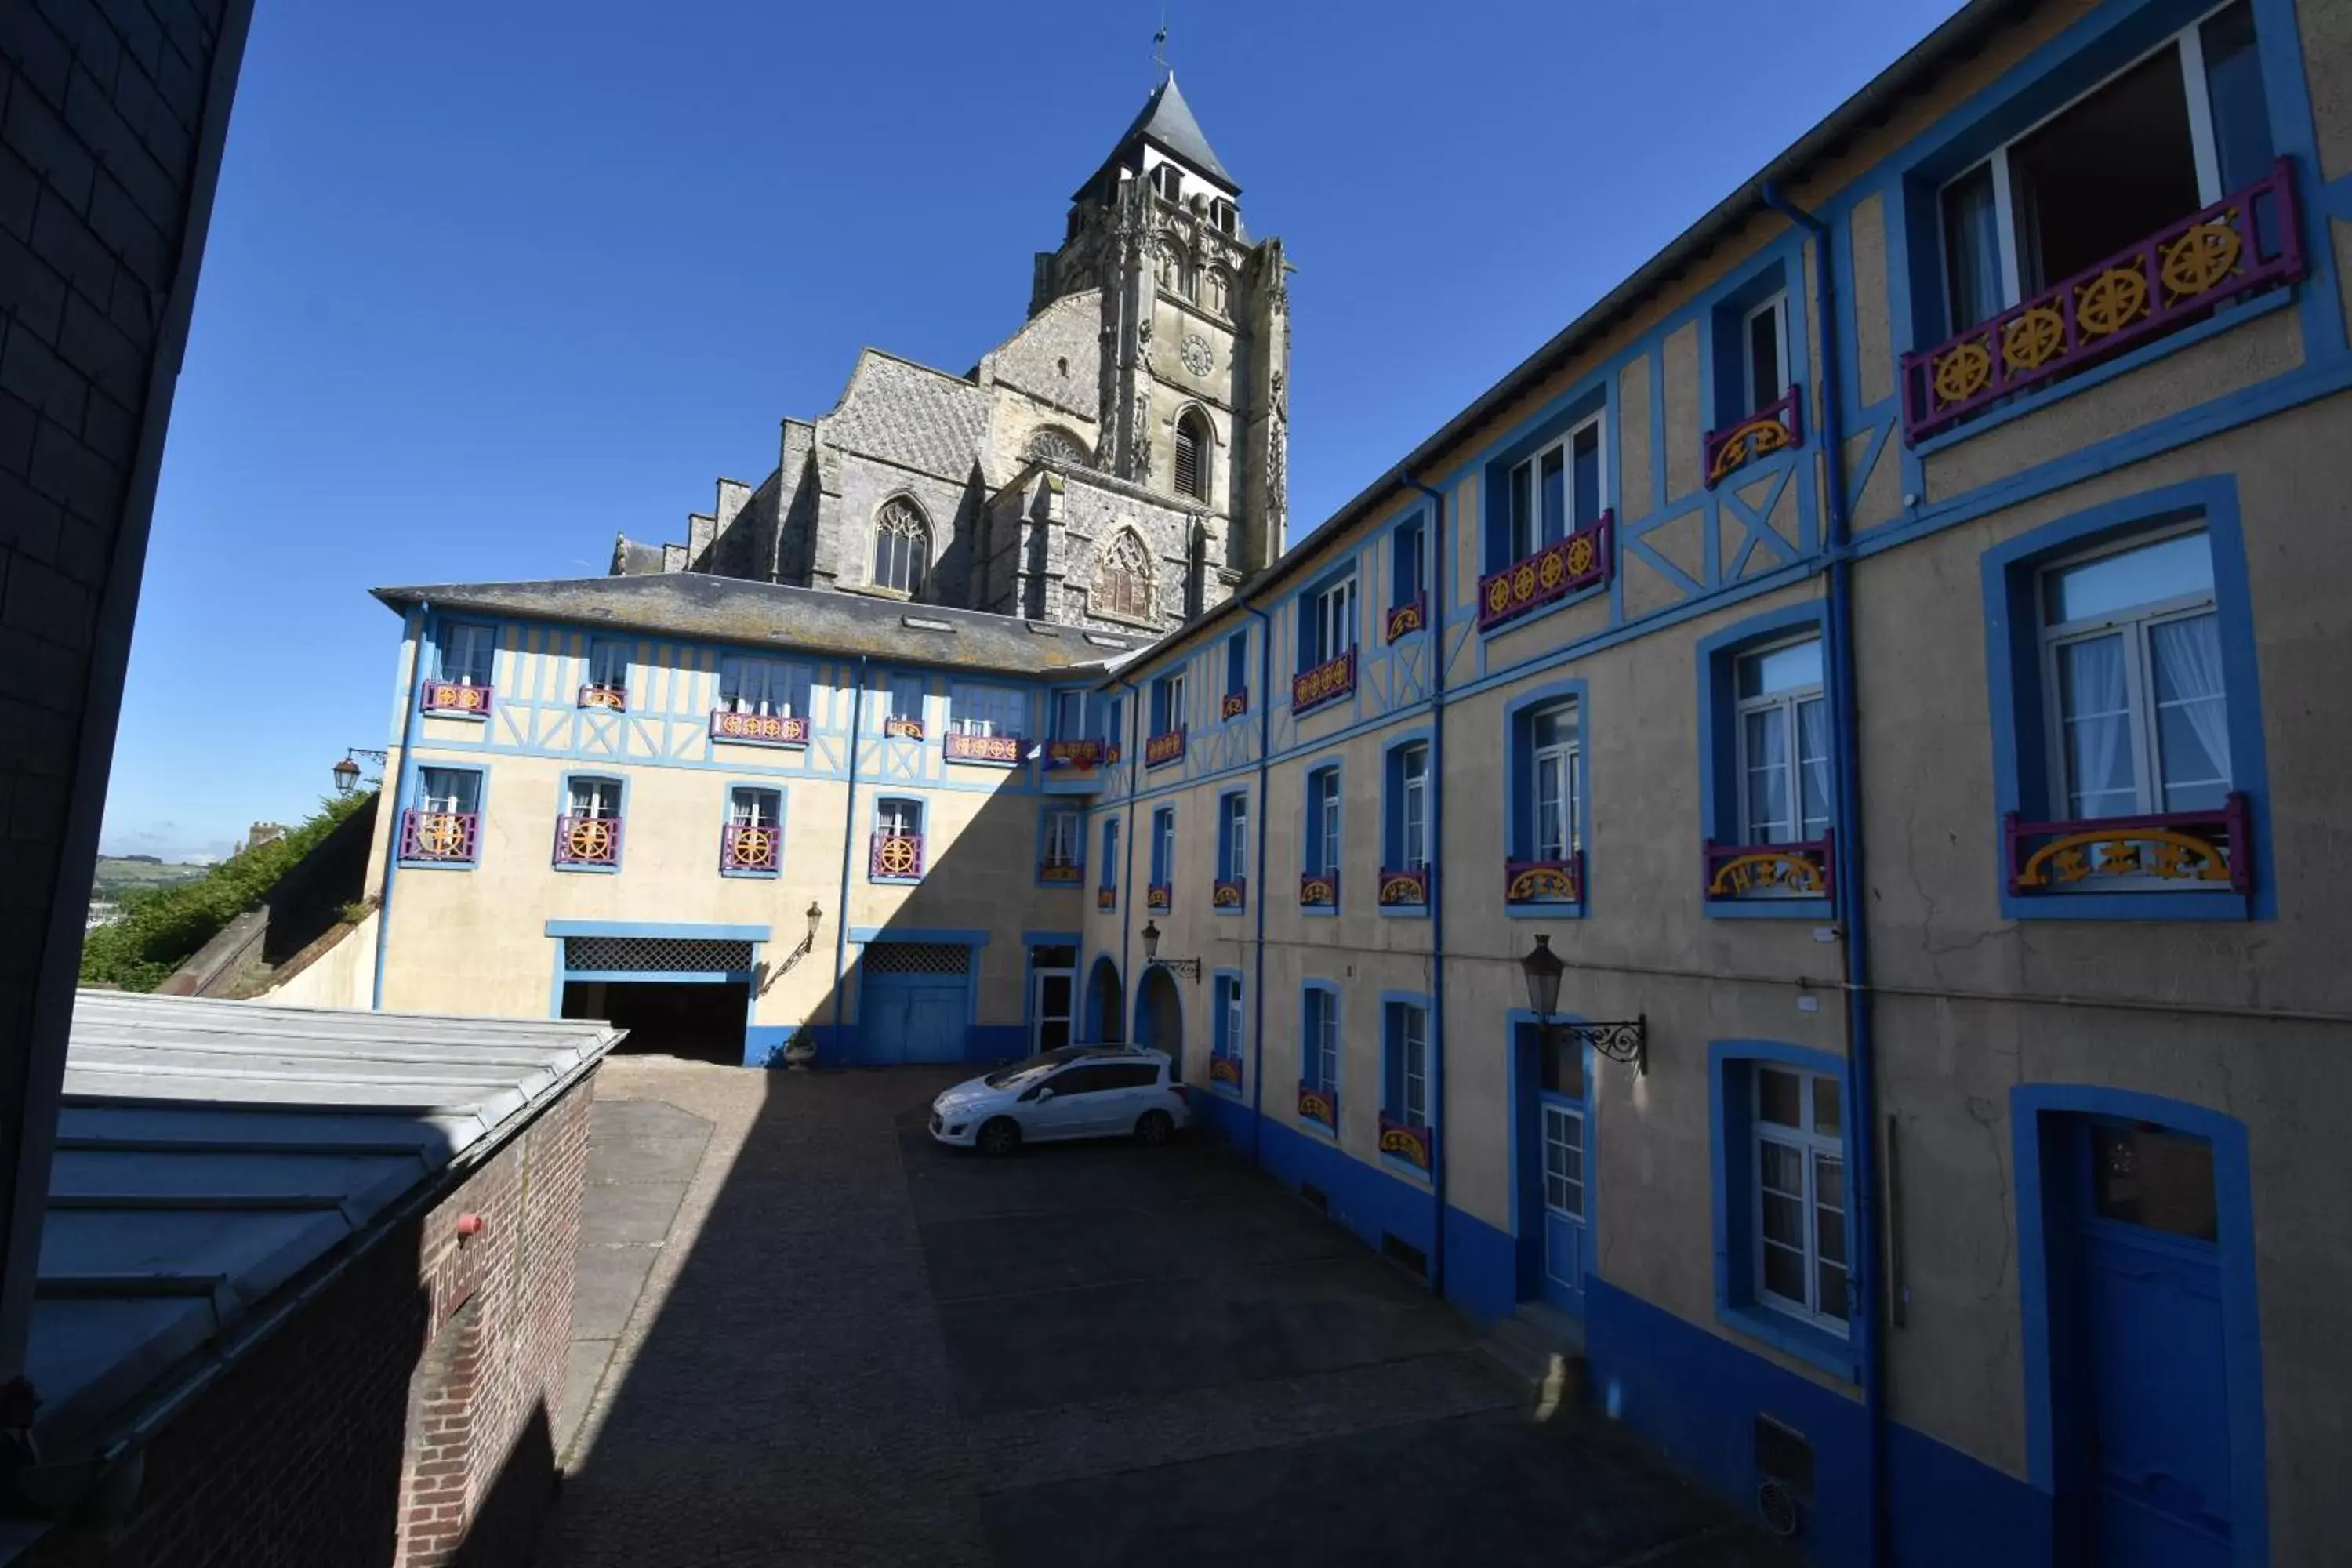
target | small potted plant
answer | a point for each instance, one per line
(799, 1051)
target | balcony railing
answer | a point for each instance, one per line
(1321, 1106)
(1326, 682)
(1061, 873)
(1746, 871)
(1002, 750)
(750, 847)
(1405, 1141)
(1073, 756)
(1168, 746)
(897, 727)
(2248, 241)
(587, 840)
(447, 838)
(456, 697)
(1229, 894)
(1233, 704)
(758, 728)
(2197, 848)
(1319, 889)
(1767, 430)
(894, 857)
(1406, 618)
(1225, 1072)
(1551, 574)
(1158, 897)
(614, 697)
(1544, 882)
(1106, 899)
(1405, 888)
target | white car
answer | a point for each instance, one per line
(1078, 1091)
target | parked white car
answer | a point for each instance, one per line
(1078, 1091)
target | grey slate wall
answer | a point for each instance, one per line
(112, 114)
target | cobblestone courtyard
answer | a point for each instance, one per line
(806, 1334)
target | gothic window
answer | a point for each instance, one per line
(1192, 444)
(1167, 267)
(1220, 289)
(902, 549)
(1123, 579)
(1057, 445)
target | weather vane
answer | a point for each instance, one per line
(1159, 41)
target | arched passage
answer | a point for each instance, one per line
(1105, 1012)
(1160, 1018)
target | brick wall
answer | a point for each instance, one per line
(404, 1415)
(112, 118)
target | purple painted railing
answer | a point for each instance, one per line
(1800, 870)
(1544, 882)
(1074, 757)
(1159, 897)
(612, 697)
(1319, 1105)
(456, 697)
(1404, 889)
(1319, 889)
(751, 846)
(1233, 704)
(1406, 618)
(1229, 894)
(1405, 1141)
(1326, 682)
(760, 729)
(997, 749)
(587, 840)
(1168, 746)
(1552, 572)
(1227, 1072)
(894, 857)
(2208, 847)
(1769, 429)
(1061, 873)
(447, 837)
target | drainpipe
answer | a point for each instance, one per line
(849, 843)
(1127, 902)
(1437, 602)
(1861, 1073)
(399, 795)
(1265, 812)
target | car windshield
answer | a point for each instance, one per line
(1037, 1066)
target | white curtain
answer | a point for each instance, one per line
(1814, 764)
(2098, 729)
(2189, 682)
(1768, 776)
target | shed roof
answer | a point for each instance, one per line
(211, 1156)
(823, 620)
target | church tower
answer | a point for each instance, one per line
(1195, 337)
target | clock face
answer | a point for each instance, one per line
(1198, 357)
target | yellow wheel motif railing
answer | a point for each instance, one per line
(591, 838)
(2200, 258)
(2033, 339)
(1962, 374)
(441, 833)
(2110, 301)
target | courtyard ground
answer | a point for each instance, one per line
(806, 1334)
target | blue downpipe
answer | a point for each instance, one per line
(392, 808)
(1257, 985)
(1437, 605)
(1134, 792)
(849, 843)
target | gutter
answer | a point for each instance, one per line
(848, 839)
(392, 817)
(1437, 603)
(1127, 873)
(1861, 1066)
(1264, 812)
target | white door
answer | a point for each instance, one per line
(1052, 997)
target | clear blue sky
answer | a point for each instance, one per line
(488, 283)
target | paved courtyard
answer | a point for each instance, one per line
(806, 1334)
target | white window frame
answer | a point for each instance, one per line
(1163, 830)
(592, 797)
(1412, 804)
(1565, 759)
(1527, 532)
(747, 803)
(1326, 1043)
(1567, 1168)
(1333, 609)
(458, 643)
(1235, 810)
(449, 804)
(1811, 1146)
(756, 682)
(1230, 1002)
(1777, 307)
(1324, 808)
(980, 710)
(1064, 832)
(1787, 702)
(2190, 41)
(1411, 1045)
(2136, 625)
(906, 823)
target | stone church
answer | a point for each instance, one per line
(1117, 462)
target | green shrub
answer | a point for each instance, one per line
(161, 928)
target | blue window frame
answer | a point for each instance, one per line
(1069, 716)
(595, 812)
(898, 816)
(608, 665)
(2123, 679)
(767, 687)
(1168, 702)
(1237, 662)
(751, 843)
(1326, 619)
(1228, 1026)
(1547, 800)
(1408, 550)
(1405, 826)
(1110, 874)
(466, 651)
(900, 698)
(1111, 721)
(1767, 747)
(1233, 842)
(1749, 341)
(1783, 1219)
(1320, 1045)
(1405, 1092)
(1062, 845)
(1321, 849)
(1163, 844)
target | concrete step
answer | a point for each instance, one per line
(1543, 1347)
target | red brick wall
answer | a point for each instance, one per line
(326, 1446)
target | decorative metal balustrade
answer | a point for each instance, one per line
(1061, 873)
(1074, 757)
(1168, 746)
(894, 857)
(2200, 848)
(1799, 870)
(1326, 682)
(587, 840)
(456, 697)
(612, 697)
(1319, 889)
(1405, 619)
(1003, 751)
(2248, 241)
(1406, 1140)
(1405, 888)
(1233, 704)
(1158, 897)
(1321, 1106)
(1551, 574)
(447, 838)
(1773, 428)
(758, 728)
(1106, 899)
(747, 846)
(897, 727)
(1227, 1072)
(1232, 894)
(1544, 882)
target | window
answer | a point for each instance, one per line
(1327, 622)
(751, 807)
(1764, 354)
(590, 832)
(902, 548)
(1798, 1154)
(766, 686)
(988, 710)
(1225, 216)
(1069, 716)
(1405, 1041)
(1319, 1068)
(1122, 587)
(1194, 444)
(1237, 663)
(1407, 544)
(899, 704)
(1784, 762)
(898, 816)
(753, 844)
(1163, 844)
(2133, 681)
(2156, 141)
(608, 666)
(1322, 849)
(1233, 838)
(1168, 181)
(1554, 492)
(467, 650)
(1168, 702)
(449, 790)
(1109, 876)
(594, 799)
(1407, 836)
(1112, 712)
(1226, 1032)
(1065, 839)
(1553, 826)
(1220, 281)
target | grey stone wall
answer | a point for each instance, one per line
(111, 121)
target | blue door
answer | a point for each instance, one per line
(912, 1007)
(1555, 1157)
(2153, 1390)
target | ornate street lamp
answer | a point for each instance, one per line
(1625, 1040)
(347, 771)
(1190, 968)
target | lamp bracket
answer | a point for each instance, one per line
(1190, 968)
(1622, 1040)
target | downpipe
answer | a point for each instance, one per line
(392, 807)
(1127, 873)
(1437, 603)
(1265, 814)
(848, 845)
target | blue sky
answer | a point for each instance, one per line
(487, 284)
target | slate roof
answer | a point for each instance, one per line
(704, 606)
(211, 1156)
(910, 414)
(1168, 125)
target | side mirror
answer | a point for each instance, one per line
(1045, 1094)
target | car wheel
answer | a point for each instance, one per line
(1154, 1128)
(1000, 1136)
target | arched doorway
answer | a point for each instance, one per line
(1160, 1018)
(1105, 1013)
